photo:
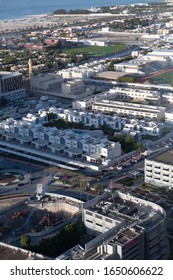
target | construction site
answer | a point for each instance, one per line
(37, 218)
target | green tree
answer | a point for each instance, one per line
(25, 241)
(111, 66)
(98, 187)
(165, 130)
(126, 79)
(138, 146)
(51, 116)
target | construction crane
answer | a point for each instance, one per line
(43, 186)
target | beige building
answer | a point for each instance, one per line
(73, 87)
(45, 82)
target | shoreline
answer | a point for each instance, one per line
(41, 21)
(24, 17)
(67, 8)
(26, 22)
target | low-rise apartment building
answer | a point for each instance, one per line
(87, 118)
(169, 116)
(167, 97)
(134, 93)
(85, 70)
(126, 108)
(84, 146)
(146, 128)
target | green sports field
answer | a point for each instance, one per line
(96, 50)
(165, 78)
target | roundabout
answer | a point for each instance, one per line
(12, 178)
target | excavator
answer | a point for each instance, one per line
(47, 220)
(21, 213)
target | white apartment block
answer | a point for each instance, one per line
(167, 97)
(86, 70)
(11, 86)
(85, 146)
(12, 125)
(159, 170)
(169, 117)
(168, 38)
(87, 118)
(125, 108)
(137, 66)
(134, 93)
(39, 118)
(83, 104)
(146, 128)
(150, 128)
(126, 228)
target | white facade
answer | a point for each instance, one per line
(134, 93)
(150, 128)
(168, 97)
(169, 117)
(125, 108)
(168, 39)
(94, 43)
(87, 118)
(67, 143)
(132, 66)
(86, 70)
(159, 173)
(83, 104)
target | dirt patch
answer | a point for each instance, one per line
(7, 178)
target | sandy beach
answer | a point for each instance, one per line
(36, 21)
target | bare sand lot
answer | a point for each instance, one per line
(41, 21)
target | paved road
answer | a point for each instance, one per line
(72, 193)
(36, 172)
(39, 172)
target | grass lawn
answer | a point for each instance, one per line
(96, 50)
(166, 78)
